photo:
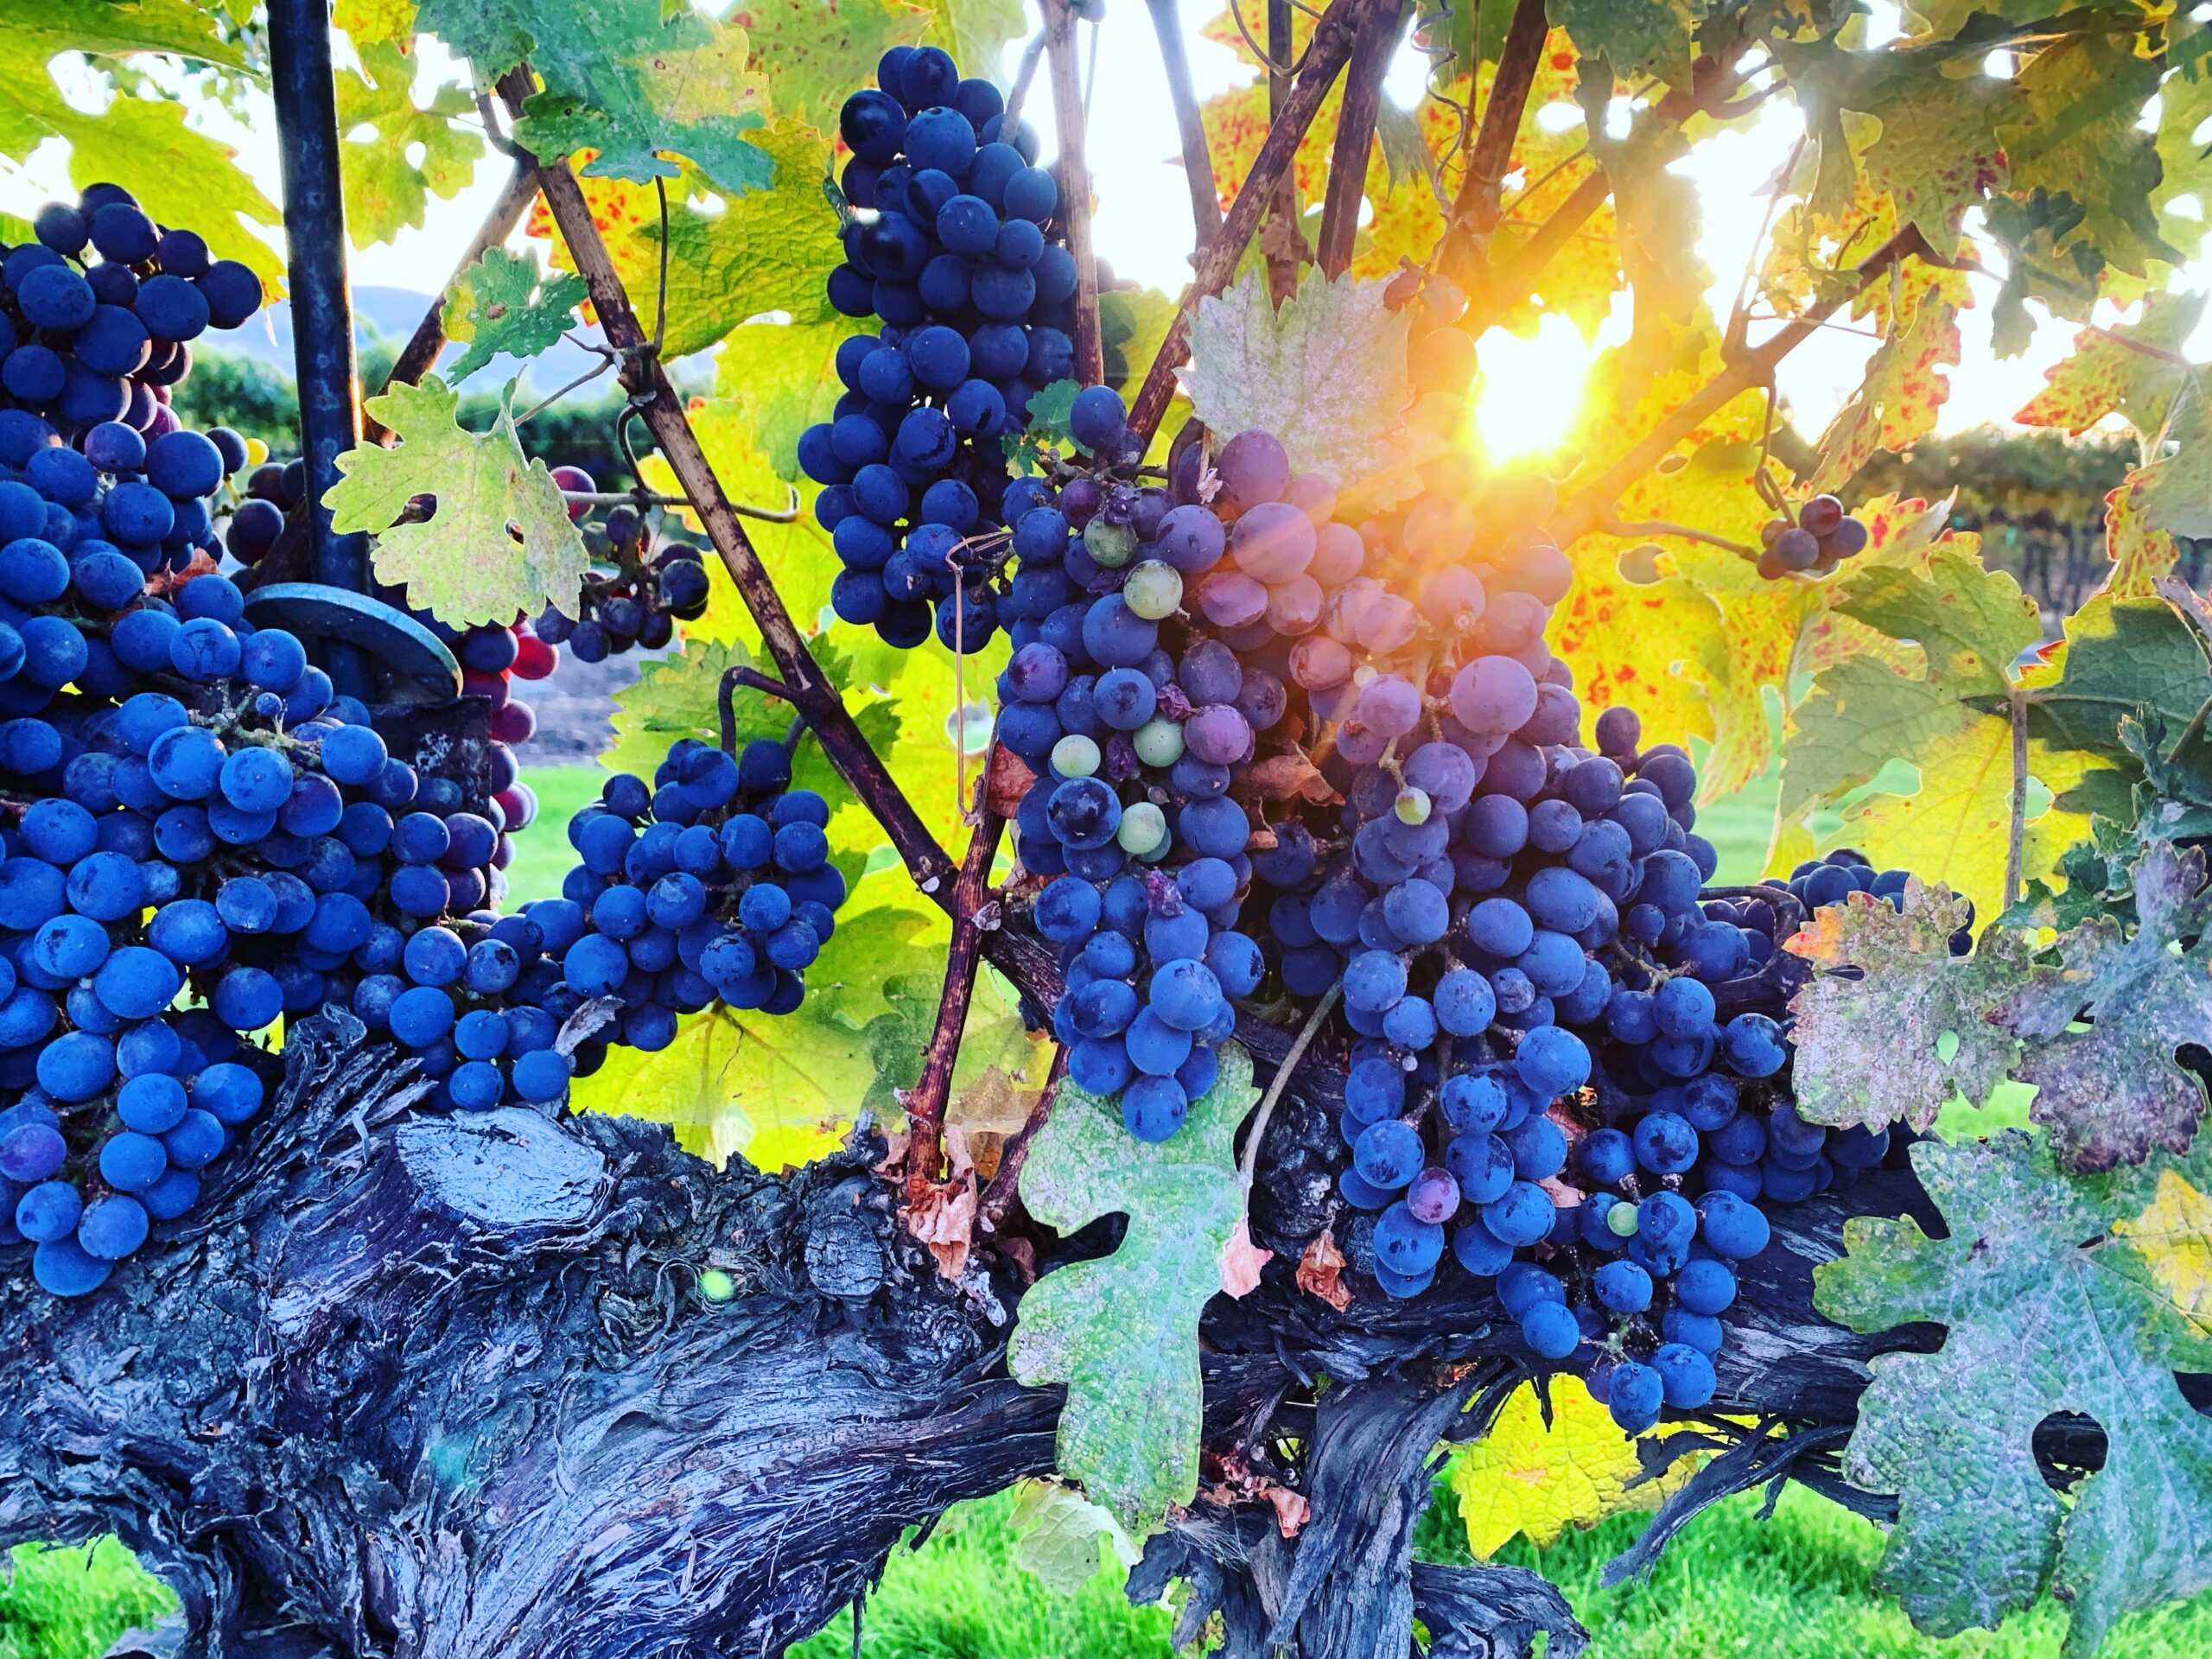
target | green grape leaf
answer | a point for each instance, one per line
(2079, 139)
(676, 697)
(1132, 324)
(1634, 37)
(504, 303)
(2110, 1093)
(1049, 409)
(500, 543)
(180, 176)
(1903, 389)
(2185, 105)
(385, 192)
(2174, 493)
(785, 375)
(814, 55)
(493, 34)
(1058, 1534)
(1870, 1022)
(2120, 371)
(635, 85)
(2057, 1293)
(1122, 1332)
(2120, 655)
(1326, 373)
(32, 108)
(1970, 624)
(770, 249)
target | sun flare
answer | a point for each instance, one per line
(1531, 388)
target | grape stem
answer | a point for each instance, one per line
(1661, 527)
(657, 402)
(1074, 186)
(1025, 75)
(925, 1101)
(1005, 1182)
(725, 699)
(1325, 54)
(1198, 163)
(1250, 1162)
(1373, 46)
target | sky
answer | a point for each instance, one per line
(1142, 229)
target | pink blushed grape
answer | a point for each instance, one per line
(1231, 598)
(1273, 543)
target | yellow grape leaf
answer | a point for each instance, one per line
(2173, 1236)
(385, 190)
(2140, 553)
(1904, 385)
(1523, 1478)
(501, 542)
(1653, 648)
(975, 32)
(375, 23)
(1938, 153)
(2184, 103)
(180, 176)
(2119, 370)
(814, 55)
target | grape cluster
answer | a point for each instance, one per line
(953, 246)
(636, 594)
(1819, 882)
(86, 341)
(714, 883)
(1823, 535)
(1540, 1082)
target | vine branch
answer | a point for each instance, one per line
(1591, 507)
(1325, 55)
(1197, 160)
(1074, 186)
(1282, 248)
(430, 336)
(1372, 45)
(1475, 208)
(925, 1101)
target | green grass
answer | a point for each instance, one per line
(73, 1603)
(543, 854)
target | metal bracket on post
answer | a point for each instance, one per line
(322, 311)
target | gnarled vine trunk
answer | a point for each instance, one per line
(447, 1386)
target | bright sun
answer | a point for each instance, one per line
(1531, 388)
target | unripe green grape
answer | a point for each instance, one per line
(1154, 590)
(1413, 806)
(1108, 545)
(1143, 831)
(716, 1286)
(1620, 1220)
(1075, 756)
(1159, 741)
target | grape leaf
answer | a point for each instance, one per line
(1657, 208)
(815, 55)
(1122, 1332)
(2106, 374)
(493, 34)
(975, 32)
(1634, 37)
(374, 23)
(1132, 324)
(504, 303)
(1904, 385)
(1058, 1534)
(1970, 623)
(1538, 1479)
(769, 250)
(2079, 139)
(2174, 493)
(501, 542)
(676, 697)
(2184, 103)
(622, 79)
(1938, 152)
(1870, 1047)
(2119, 655)
(385, 192)
(783, 375)
(1327, 374)
(180, 176)
(2111, 1093)
(2056, 1293)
